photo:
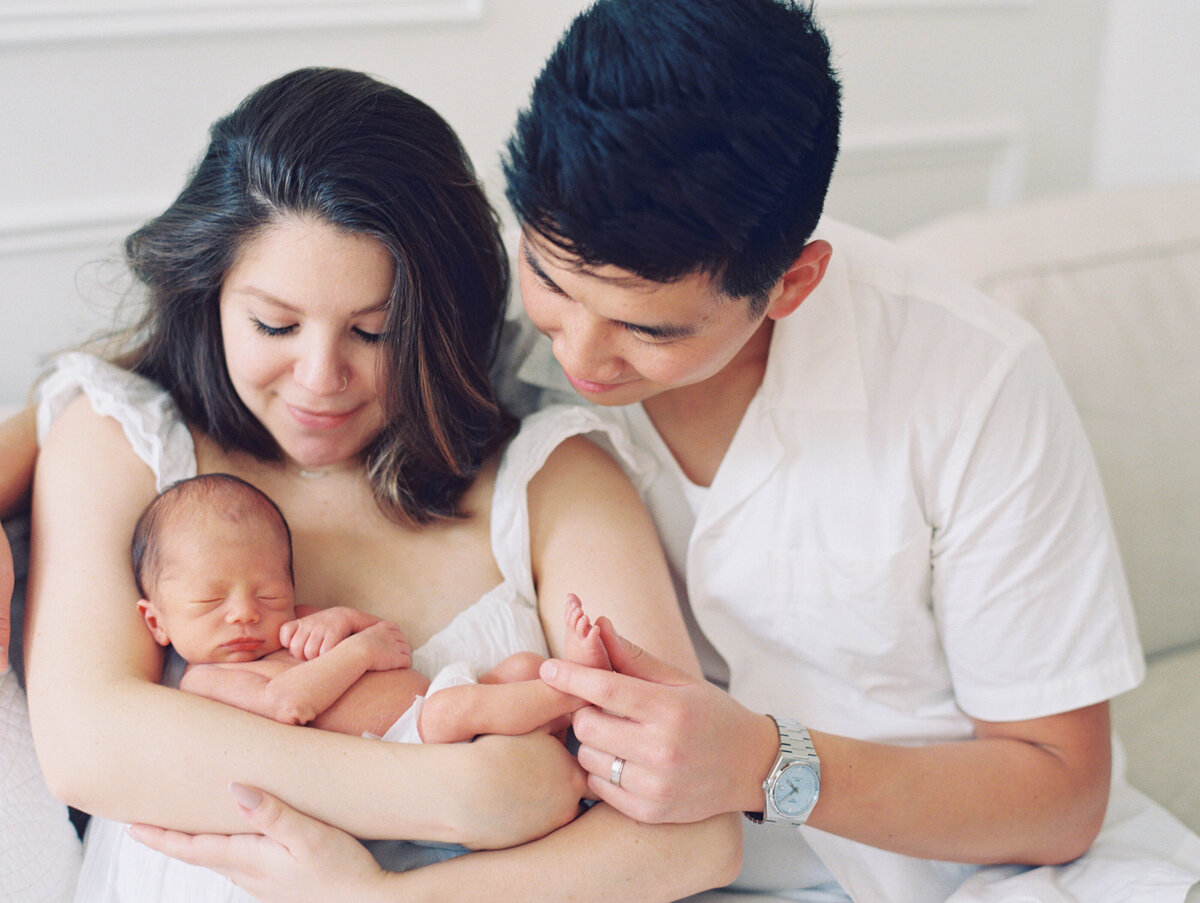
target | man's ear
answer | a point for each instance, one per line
(147, 610)
(804, 275)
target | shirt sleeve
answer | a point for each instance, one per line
(1028, 589)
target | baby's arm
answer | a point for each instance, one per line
(511, 699)
(303, 691)
(317, 630)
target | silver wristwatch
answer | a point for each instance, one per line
(794, 781)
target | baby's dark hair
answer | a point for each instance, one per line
(238, 499)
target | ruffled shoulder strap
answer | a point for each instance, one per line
(526, 454)
(146, 412)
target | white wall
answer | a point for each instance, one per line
(949, 104)
(1148, 127)
(952, 104)
(104, 113)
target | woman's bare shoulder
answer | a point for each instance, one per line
(579, 463)
(86, 452)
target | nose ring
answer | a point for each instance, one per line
(345, 383)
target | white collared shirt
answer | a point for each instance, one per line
(907, 529)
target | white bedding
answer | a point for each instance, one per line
(39, 851)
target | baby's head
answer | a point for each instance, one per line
(213, 561)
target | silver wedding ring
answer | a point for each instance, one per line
(614, 773)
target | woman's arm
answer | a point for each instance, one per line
(590, 535)
(104, 728)
(18, 452)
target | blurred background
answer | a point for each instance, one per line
(949, 105)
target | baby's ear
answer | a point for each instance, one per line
(147, 610)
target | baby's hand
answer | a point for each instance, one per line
(317, 633)
(388, 646)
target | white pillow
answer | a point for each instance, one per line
(40, 853)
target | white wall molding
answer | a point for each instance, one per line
(999, 145)
(66, 228)
(892, 6)
(42, 21)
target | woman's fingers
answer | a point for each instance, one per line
(229, 855)
(292, 858)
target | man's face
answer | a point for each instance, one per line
(622, 339)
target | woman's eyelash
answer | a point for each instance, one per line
(369, 338)
(262, 327)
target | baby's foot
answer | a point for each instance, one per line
(583, 644)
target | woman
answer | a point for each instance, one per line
(323, 301)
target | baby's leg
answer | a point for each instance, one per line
(464, 712)
(583, 644)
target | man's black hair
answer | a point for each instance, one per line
(673, 137)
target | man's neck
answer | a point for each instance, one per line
(698, 422)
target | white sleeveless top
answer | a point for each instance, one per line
(118, 869)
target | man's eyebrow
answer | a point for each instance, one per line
(664, 331)
(537, 269)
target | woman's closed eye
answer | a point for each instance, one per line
(368, 338)
(265, 329)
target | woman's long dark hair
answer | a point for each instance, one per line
(364, 157)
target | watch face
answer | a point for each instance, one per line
(795, 790)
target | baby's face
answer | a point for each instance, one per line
(222, 590)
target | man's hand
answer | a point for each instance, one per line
(690, 750)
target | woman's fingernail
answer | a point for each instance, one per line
(549, 669)
(246, 797)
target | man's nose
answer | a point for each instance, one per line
(583, 347)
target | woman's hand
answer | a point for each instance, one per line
(290, 857)
(518, 789)
(690, 750)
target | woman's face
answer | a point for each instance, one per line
(302, 310)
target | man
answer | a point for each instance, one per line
(870, 482)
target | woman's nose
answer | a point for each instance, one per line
(320, 369)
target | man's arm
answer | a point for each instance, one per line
(1021, 792)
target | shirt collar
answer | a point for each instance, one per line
(815, 361)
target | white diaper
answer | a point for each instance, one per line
(456, 674)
